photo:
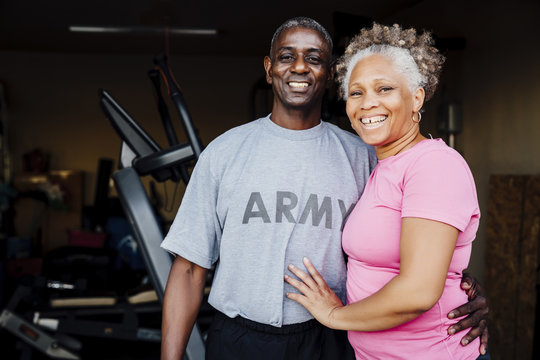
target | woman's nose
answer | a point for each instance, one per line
(369, 101)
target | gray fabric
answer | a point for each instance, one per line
(262, 197)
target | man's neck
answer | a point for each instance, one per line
(296, 119)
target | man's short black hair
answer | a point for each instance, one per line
(302, 22)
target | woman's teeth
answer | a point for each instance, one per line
(373, 120)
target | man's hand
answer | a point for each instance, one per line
(477, 313)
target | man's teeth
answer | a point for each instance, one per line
(373, 120)
(298, 84)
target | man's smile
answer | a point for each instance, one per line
(298, 84)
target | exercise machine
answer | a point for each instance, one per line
(49, 329)
(140, 156)
(57, 326)
(32, 335)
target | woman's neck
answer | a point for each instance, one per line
(411, 138)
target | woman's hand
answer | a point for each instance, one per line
(316, 296)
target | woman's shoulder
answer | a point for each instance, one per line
(439, 159)
(436, 149)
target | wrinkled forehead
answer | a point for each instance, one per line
(302, 38)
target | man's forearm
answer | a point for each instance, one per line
(183, 296)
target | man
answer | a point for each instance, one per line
(262, 196)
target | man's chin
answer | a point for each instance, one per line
(300, 102)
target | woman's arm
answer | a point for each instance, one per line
(426, 249)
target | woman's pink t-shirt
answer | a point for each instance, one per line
(431, 181)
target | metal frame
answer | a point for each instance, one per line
(140, 155)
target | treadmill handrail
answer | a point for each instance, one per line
(163, 159)
(178, 100)
(127, 128)
(168, 162)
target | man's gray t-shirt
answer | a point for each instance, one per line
(262, 197)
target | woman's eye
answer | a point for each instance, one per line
(386, 89)
(355, 93)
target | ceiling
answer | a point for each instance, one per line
(244, 27)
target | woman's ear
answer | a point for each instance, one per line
(418, 99)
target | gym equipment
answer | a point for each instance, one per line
(50, 329)
(34, 336)
(75, 322)
(141, 155)
(56, 347)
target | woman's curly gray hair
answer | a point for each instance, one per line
(414, 56)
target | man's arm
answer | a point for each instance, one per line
(183, 296)
(477, 311)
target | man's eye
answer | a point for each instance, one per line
(313, 59)
(286, 57)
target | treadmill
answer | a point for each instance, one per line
(140, 156)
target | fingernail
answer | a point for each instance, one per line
(451, 331)
(464, 341)
(291, 266)
(451, 315)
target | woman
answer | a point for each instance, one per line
(409, 236)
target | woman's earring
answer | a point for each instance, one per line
(419, 117)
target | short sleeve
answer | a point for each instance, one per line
(439, 186)
(195, 232)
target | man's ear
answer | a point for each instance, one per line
(267, 69)
(331, 74)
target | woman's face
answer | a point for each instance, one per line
(380, 104)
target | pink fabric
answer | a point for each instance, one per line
(431, 181)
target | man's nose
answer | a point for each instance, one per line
(300, 65)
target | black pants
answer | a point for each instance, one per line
(238, 338)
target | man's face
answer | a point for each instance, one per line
(299, 68)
